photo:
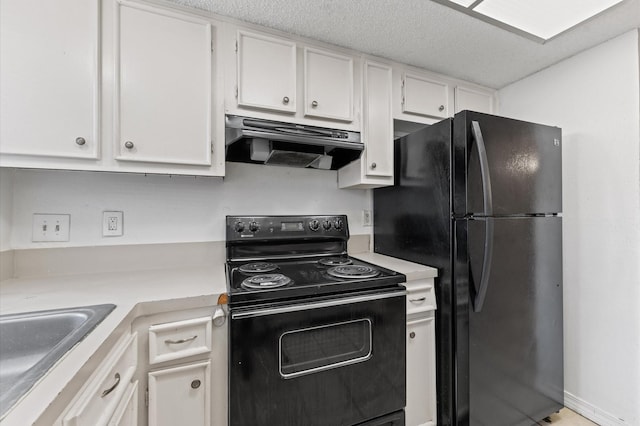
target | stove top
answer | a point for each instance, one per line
(304, 278)
(273, 258)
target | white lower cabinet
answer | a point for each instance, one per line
(180, 395)
(181, 353)
(106, 391)
(421, 354)
(421, 366)
(126, 413)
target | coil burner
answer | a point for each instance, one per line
(258, 268)
(266, 281)
(353, 271)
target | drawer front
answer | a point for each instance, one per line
(420, 299)
(99, 399)
(126, 413)
(180, 339)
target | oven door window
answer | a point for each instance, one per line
(309, 350)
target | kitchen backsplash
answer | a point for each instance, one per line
(167, 209)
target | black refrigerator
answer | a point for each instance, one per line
(480, 198)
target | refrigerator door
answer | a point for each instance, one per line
(505, 167)
(511, 363)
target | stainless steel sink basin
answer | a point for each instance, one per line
(32, 342)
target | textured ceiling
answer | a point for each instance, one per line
(426, 34)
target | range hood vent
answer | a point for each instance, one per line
(252, 140)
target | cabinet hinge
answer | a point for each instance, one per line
(402, 84)
(212, 147)
(402, 101)
(213, 45)
(236, 92)
(236, 46)
(146, 397)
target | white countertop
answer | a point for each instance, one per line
(135, 293)
(412, 271)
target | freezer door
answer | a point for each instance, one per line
(510, 364)
(505, 167)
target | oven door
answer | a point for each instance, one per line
(335, 361)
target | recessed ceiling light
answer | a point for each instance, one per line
(536, 19)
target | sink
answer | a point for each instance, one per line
(32, 342)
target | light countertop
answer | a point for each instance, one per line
(135, 293)
(412, 271)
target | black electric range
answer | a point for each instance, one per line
(306, 317)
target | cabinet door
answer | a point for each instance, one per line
(180, 395)
(421, 365)
(49, 102)
(163, 86)
(266, 72)
(377, 118)
(126, 413)
(424, 96)
(328, 85)
(473, 100)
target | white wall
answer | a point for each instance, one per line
(6, 208)
(164, 209)
(595, 98)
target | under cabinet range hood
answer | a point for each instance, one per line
(253, 140)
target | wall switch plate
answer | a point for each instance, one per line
(366, 218)
(50, 227)
(112, 225)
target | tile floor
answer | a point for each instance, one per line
(567, 417)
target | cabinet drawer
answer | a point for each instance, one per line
(99, 399)
(179, 339)
(126, 413)
(420, 300)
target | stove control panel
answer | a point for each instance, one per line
(286, 227)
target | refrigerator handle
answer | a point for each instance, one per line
(478, 300)
(484, 168)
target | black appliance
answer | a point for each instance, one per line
(316, 337)
(479, 197)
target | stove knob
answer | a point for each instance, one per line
(239, 227)
(254, 227)
(326, 224)
(338, 224)
(314, 225)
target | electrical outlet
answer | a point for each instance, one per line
(112, 225)
(50, 227)
(366, 218)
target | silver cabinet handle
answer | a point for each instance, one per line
(412, 335)
(285, 100)
(418, 300)
(177, 342)
(314, 104)
(441, 108)
(374, 165)
(81, 141)
(115, 385)
(128, 144)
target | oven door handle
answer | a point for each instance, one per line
(315, 305)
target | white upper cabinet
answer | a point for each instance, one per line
(49, 78)
(266, 72)
(375, 167)
(473, 99)
(378, 125)
(163, 86)
(328, 85)
(424, 96)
